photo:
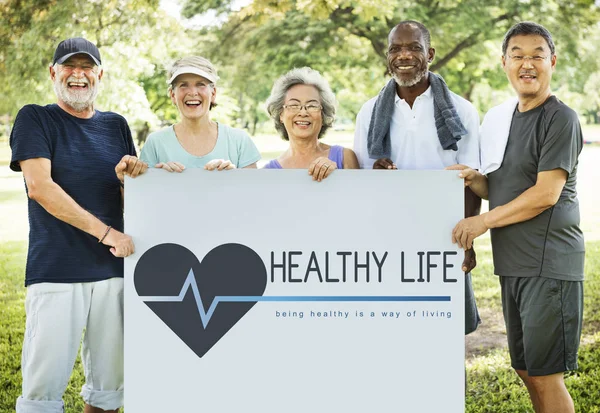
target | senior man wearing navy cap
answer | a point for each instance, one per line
(67, 152)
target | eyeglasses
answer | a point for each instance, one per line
(534, 59)
(311, 108)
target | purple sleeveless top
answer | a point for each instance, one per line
(336, 154)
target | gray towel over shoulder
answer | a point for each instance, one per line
(447, 122)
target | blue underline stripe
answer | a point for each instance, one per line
(275, 298)
(206, 315)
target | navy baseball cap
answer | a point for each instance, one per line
(73, 46)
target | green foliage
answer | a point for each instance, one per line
(344, 39)
(133, 36)
(346, 61)
(155, 89)
(347, 40)
(193, 8)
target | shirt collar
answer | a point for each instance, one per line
(427, 94)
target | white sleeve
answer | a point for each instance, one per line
(360, 135)
(468, 146)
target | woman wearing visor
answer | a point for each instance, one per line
(196, 141)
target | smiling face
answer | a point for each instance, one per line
(76, 82)
(529, 64)
(192, 94)
(408, 55)
(303, 124)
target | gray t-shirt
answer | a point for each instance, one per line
(550, 244)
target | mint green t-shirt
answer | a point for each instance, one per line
(232, 144)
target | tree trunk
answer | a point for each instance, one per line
(254, 125)
(469, 92)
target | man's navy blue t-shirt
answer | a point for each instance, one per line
(83, 155)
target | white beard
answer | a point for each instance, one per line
(410, 82)
(78, 100)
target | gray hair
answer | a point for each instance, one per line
(193, 61)
(302, 76)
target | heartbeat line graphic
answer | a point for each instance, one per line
(205, 316)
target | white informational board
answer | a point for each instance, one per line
(264, 291)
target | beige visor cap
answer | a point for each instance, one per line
(196, 71)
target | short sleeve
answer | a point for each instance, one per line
(247, 151)
(148, 153)
(129, 139)
(29, 138)
(468, 146)
(562, 143)
(361, 134)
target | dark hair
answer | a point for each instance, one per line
(424, 31)
(528, 29)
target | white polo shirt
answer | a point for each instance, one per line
(414, 140)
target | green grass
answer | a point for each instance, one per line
(12, 325)
(591, 309)
(485, 283)
(487, 288)
(492, 384)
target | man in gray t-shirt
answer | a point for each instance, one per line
(550, 244)
(537, 244)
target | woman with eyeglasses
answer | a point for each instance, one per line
(302, 106)
(196, 141)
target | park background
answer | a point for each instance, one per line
(254, 42)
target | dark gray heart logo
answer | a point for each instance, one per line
(200, 301)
